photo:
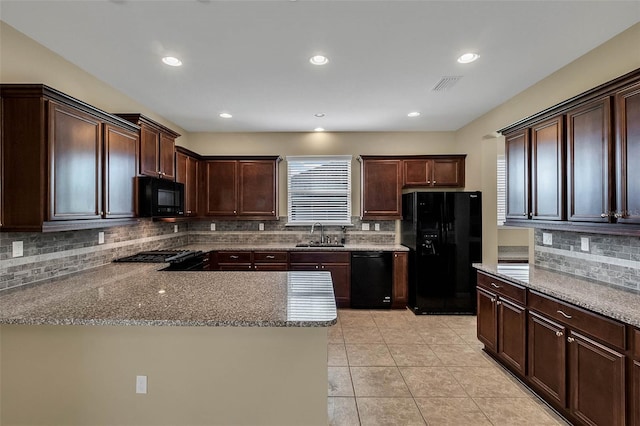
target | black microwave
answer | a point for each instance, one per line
(159, 197)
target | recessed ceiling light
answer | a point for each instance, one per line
(225, 115)
(318, 129)
(468, 57)
(318, 60)
(170, 60)
(319, 115)
(413, 114)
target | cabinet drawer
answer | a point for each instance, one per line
(320, 257)
(605, 329)
(234, 257)
(512, 291)
(272, 257)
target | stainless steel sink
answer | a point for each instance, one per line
(319, 245)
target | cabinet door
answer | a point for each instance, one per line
(547, 170)
(589, 149)
(596, 374)
(628, 152)
(120, 164)
(341, 277)
(221, 188)
(448, 172)
(487, 326)
(512, 331)
(517, 159)
(417, 172)
(191, 187)
(547, 358)
(400, 280)
(149, 151)
(636, 392)
(166, 157)
(257, 188)
(75, 164)
(381, 189)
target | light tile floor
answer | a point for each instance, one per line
(396, 368)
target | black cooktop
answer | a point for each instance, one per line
(155, 256)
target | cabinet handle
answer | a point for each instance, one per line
(525, 214)
(434, 182)
(618, 215)
(559, 333)
(429, 182)
(233, 257)
(570, 339)
(493, 299)
(317, 267)
(366, 211)
(101, 213)
(271, 257)
(494, 285)
(498, 303)
(564, 315)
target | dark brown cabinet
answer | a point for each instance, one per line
(187, 172)
(627, 104)
(338, 263)
(434, 172)
(547, 358)
(242, 189)
(381, 189)
(547, 170)
(517, 154)
(66, 165)
(157, 147)
(502, 320)
(400, 289)
(589, 151)
(249, 260)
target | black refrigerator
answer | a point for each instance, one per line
(443, 231)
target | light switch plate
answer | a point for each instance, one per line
(17, 249)
(365, 226)
(584, 243)
(261, 227)
(100, 237)
(213, 226)
(376, 226)
(547, 238)
(175, 228)
(141, 384)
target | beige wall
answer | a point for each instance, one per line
(22, 60)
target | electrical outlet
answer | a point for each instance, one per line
(584, 243)
(261, 226)
(17, 249)
(365, 226)
(100, 237)
(376, 226)
(547, 238)
(213, 226)
(141, 384)
(175, 228)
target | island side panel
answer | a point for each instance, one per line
(78, 375)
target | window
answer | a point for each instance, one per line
(502, 190)
(319, 190)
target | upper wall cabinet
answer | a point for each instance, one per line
(591, 139)
(383, 178)
(589, 152)
(628, 151)
(187, 172)
(241, 188)
(157, 147)
(66, 165)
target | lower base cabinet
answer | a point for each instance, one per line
(338, 263)
(635, 389)
(547, 359)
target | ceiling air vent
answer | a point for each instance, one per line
(446, 83)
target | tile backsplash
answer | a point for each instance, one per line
(610, 259)
(55, 254)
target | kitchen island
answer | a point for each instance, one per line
(215, 347)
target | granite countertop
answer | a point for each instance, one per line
(218, 246)
(614, 303)
(140, 294)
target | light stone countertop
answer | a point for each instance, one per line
(139, 294)
(609, 301)
(219, 246)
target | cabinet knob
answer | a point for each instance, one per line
(603, 215)
(493, 299)
(559, 333)
(434, 182)
(525, 214)
(317, 267)
(570, 339)
(366, 211)
(530, 214)
(618, 215)
(273, 212)
(429, 182)
(101, 213)
(498, 303)
(234, 212)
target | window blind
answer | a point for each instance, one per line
(319, 190)
(502, 189)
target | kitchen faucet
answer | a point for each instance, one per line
(321, 231)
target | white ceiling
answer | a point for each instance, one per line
(250, 58)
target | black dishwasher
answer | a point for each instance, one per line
(371, 278)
